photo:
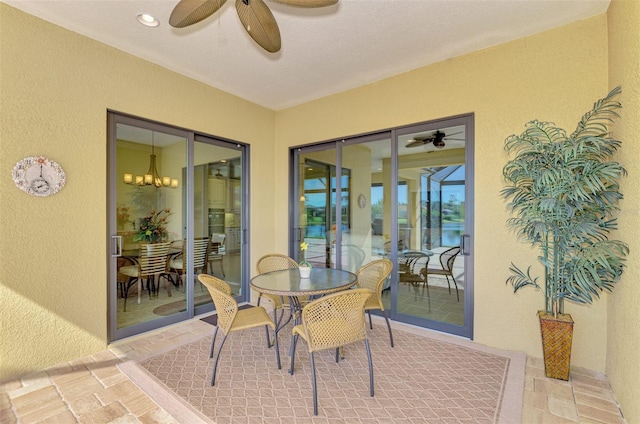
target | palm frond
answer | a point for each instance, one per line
(563, 193)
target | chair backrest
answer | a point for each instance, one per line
(153, 258)
(387, 246)
(200, 252)
(448, 257)
(336, 319)
(410, 259)
(373, 275)
(215, 282)
(275, 262)
(226, 305)
(217, 246)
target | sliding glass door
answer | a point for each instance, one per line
(405, 195)
(176, 210)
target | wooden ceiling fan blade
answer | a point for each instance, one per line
(259, 23)
(416, 143)
(307, 3)
(189, 12)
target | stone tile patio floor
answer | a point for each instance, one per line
(93, 390)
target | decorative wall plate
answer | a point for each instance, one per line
(38, 176)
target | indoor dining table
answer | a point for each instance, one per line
(288, 283)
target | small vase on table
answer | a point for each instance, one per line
(304, 267)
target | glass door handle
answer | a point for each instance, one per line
(465, 240)
(117, 245)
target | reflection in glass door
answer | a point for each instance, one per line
(431, 220)
(405, 196)
(176, 210)
(218, 183)
(149, 231)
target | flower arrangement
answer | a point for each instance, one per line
(153, 227)
(304, 246)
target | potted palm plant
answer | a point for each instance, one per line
(563, 193)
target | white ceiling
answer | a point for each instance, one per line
(324, 51)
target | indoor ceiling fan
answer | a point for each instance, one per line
(437, 138)
(255, 16)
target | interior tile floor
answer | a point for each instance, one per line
(93, 390)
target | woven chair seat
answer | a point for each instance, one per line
(231, 318)
(251, 317)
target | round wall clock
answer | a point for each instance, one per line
(38, 176)
(362, 201)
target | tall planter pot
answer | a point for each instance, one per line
(557, 335)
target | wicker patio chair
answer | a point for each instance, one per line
(447, 259)
(231, 319)
(275, 262)
(372, 276)
(331, 322)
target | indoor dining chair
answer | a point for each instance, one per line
(216, 252)
(231, 319)
(152, 264)
(372, 276)
(331, 322)
(178, 262)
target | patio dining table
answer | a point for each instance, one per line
(288, 283)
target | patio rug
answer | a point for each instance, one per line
(426, 378)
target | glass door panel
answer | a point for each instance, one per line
(219, 173)
(431, 221)
(170, 187)
(368, 235)
(149, 213)
(316, 221)
(405, 195)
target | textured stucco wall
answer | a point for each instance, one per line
(56, 87)
(555, 76)
(623, 342)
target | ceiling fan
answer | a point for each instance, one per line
(255, 16)
(437, 138)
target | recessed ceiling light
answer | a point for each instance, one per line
(148, 20)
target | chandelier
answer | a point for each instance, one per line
(152, 176)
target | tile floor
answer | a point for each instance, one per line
(93, 390)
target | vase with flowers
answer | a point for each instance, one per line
(304, 266)
(153, 227)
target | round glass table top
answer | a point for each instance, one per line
(289, 283)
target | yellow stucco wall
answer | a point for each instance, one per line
(552, 76)
(56, 87)
(623, 330)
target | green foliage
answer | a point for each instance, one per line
(563, 193)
